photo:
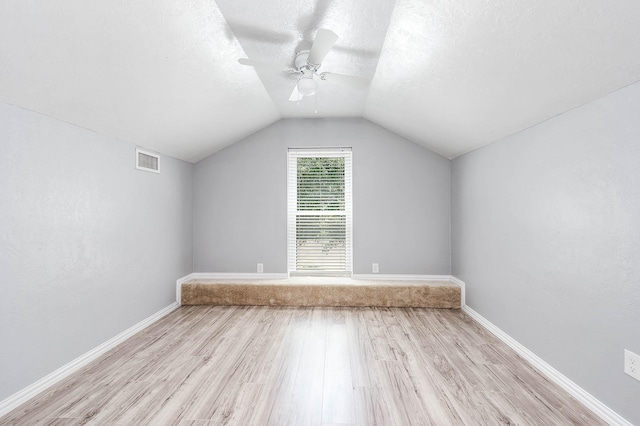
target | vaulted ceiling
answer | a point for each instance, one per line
(450, 75)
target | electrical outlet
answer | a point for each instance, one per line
(260, 268)
(632, 364)
(375, 268)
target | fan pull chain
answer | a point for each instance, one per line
(316, 99)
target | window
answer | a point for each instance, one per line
(319, 211)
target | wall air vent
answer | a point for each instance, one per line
(147, 161)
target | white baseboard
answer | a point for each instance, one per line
(401, 277)
(238, 276)
(591, 402)
(51, 379)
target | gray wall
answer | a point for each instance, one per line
(546, 235)
(401, 200)
(88, 245)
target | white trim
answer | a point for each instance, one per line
(401, 277)
(63, 372)
(591, 402)
(237, 276)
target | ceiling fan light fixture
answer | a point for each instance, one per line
(307, 86)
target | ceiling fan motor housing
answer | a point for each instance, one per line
(302, 62)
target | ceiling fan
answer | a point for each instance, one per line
(307, 63)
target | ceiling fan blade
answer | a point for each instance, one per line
(321, 46)
(295, 95)
(349, 80)
(263, 64)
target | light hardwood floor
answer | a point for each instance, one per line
(214, 365)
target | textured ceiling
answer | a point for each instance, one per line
(161, 74)
(276, 30)
(451, 75)
(456, 75)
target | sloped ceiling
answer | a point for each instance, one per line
(451, 75)
(160, 74)
(275, 31)
(457, 75)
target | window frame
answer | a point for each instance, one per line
(292, 203)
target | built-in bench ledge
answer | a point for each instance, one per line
(322, 291)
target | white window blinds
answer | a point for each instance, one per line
(319, 211)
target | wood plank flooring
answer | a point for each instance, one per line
(229, 365)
